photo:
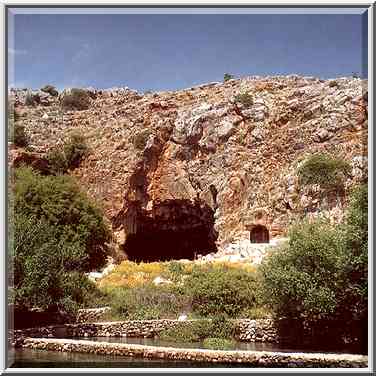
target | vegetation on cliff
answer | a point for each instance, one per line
(69, 155)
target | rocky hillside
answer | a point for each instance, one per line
(191, 171)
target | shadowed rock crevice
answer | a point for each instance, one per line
(172, 230)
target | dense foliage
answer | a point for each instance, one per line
(196, 290)
(43, 266)
(145, 303)
(76, 99)
(68, 156)
(220, 290)
(327, 171)
(199, 330)
(59, 201)
(321, 275)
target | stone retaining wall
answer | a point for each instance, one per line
(248, 358)
(92, 314)
(246, 330)
(262, 330)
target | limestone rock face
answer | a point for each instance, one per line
(207, 157)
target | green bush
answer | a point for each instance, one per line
(245, 99)
(222, 327)
(218, 344)
(220, 290)
(299, 278)
(69, 156)
(329, 172)
(199, 330)
(59, 201)
(227, 77)
(76, 99)
(50, 90)
(140, 139)
(43, 266)
(187, 331)
(17, 133)
(322, 273)
(145, 303)
(354, 298)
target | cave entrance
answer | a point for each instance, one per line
(176, 229)
(259, 234)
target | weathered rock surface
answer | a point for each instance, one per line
(206, 150)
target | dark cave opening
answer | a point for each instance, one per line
(175, 230)
(259, 234)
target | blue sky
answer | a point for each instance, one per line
(168, 52)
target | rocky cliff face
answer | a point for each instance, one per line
(191, 171)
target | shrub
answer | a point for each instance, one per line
(20, 137)
(321, 275)
(221, 327)
(218, 344)
(75, 149)
(298, 279)
(57, 161)
(322, 169)
(144, 303)
(220, 290)
(355, 297)
(17, 133)
(69, 156)
(76, 99)
(50, 90)
(59, 201)
(245, 99)
(199, 330)
(43, 266)
(140, 139)
(186, 332)
(228, 77)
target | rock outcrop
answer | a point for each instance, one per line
(197, 161)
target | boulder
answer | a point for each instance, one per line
(322, 135)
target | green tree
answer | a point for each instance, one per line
(321, 275)
(59, 201)
(44, 266)
(221, 290)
